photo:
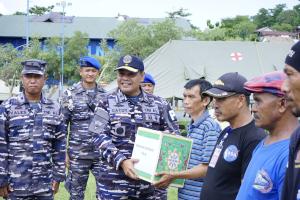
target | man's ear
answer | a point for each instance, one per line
(283, 104)
(206, 100)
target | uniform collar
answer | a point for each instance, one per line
(79, 88)
(121, 97)
(23, 100)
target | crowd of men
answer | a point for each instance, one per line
(43, 143)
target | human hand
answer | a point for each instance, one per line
(127, 166)
(55, 187)
(165, 180)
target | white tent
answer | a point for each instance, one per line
(178, 61)
(5, 91)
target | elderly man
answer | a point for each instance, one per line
(264, 176)
(117, 118)
(32, 138)
(235, 144)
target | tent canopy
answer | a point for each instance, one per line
(179, 61)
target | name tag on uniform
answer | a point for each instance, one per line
(215, 157)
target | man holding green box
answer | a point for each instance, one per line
(117, 118)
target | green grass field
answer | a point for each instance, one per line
(90, 192)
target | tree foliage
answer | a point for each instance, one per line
(40, 10)
(278, 18)
(136, 39)
(75, 47)
(179, 13)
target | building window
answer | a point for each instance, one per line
(99, 51)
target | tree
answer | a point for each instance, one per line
(275, 12)
(216, 34)
(10, 70)
(75, 47)
(11, 58)
(40, 10)
(179, 13)
(244, 30)
(290, 17)
(19, 13)
(135, 39)
(263, 18)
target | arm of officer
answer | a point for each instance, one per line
(59, 152)
(100, 126)
(67, 106)
(3, 150)
(169, 118)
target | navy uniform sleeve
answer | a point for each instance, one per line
(100, 126)
(3, 148)
(169, 116)
(58, 155)
(67, 106)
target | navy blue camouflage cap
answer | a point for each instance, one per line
(130, 63)
(148, 79)
(227, 85)
(34, 66)
(88, 61)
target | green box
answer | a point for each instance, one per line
(160, 152)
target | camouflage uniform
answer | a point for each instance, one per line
(79, 108)
(115, 124)
(32, 147)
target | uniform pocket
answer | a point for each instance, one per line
(18, 130)
(81, 112)
(50, 124)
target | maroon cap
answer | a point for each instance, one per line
(267, 83)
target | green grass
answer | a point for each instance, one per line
(91, 190)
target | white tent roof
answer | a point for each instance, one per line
(178, 61)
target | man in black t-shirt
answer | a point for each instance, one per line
(236, 142)
(291, 188)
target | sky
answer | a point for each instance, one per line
(201, 10)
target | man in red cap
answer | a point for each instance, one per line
(265, 173)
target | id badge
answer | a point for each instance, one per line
(215, 157)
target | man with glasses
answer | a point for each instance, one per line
(235, 144)
(117, 118)
(32, 140)
(79, 102)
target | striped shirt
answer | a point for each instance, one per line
(204, 132)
